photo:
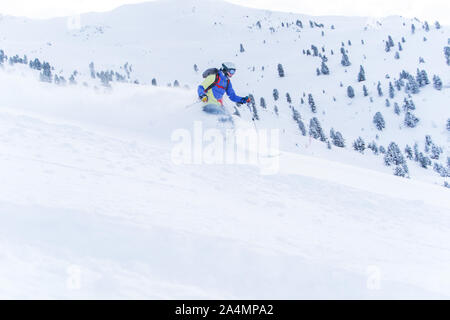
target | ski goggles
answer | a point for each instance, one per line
(232, 71)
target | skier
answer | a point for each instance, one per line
(216, 83)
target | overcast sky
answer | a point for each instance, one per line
(426, 9)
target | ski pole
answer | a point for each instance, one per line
(253, 117)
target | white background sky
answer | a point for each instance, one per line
(425, 9)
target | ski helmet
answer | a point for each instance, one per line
(228, 68)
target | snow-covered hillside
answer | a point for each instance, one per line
(94, 205)
(140, 46)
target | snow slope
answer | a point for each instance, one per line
(101, 196)
(167, 48)
(93, 205)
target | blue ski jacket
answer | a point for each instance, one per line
(215, 94)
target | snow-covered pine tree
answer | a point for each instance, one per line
(401, 170)
(390, 41)
(315, 130)
(311, 103)
(262, 103)
(280, 70)
(332, 134)
(288, 98)
(387, 47)
(391, 91)
(447, 54)
(297, 118)
(345, 61)
(36, 64)
(443, 172)
(419, 79)
(396, 108)
(324, 69)
(424, 161)
(365, 91)
(46, 74)
(350, 92)
(373, 146)
(393, 155)
(413, 85)
(408, 105)
(362, 74)
(301, 127)
(380, 92)
(437, 83)
(378, 120)
(424, 77)
(337, 139)
(276, 95)
(435, 152)
(428, 143)
(409, 152)
(416, 152)
(154, 82)
(359, 145)
(411, 120)
(2, 57)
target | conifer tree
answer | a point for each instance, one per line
(315, 130)
(359, 145)
(288, 97)
(362, 74)
(437, 83)
(324, 69)
(380, 92)
(280, 70)
(262, 103)
(378, 120)
(391, 91)
(365, 91)
(275, 94)
(350, 92)
(311, 103)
